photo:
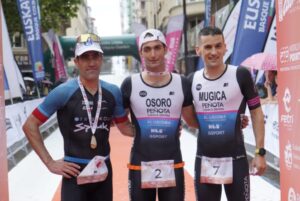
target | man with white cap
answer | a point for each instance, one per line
(85, 108)
(157, 99)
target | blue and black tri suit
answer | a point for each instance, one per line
(156, 113)
(67, 101)
(218, 104)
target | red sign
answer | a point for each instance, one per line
(3, 154)
(288, 60)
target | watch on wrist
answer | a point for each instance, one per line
(260, 151)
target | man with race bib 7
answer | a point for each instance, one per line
(157, 99)
(221, 93)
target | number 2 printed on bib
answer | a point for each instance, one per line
(158, 174)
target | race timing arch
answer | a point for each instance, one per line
(124, 45)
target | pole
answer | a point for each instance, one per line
(155, 13)
(185, 34)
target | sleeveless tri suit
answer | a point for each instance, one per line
(156, 113)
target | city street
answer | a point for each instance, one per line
(31, 181)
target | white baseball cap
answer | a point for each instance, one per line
(151, 35)
(87, 42)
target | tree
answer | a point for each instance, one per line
(55, 14)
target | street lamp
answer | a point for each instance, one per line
(185, 33)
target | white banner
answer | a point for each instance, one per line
(271, 129)
(15, 116)
(230, 28)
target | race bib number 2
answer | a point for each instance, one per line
(216, 170)
(158, 174)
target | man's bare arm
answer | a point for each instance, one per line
(259, 162)
(189, 116)
(60, 167)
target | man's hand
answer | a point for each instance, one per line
(258, 165)
(61, 167)
(244, 120)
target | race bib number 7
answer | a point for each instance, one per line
(158, 174)
(216, 170)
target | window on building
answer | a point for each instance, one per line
(17, 40)
(143, 5)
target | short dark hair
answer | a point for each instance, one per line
(210, 31)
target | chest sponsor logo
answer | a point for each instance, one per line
(158, 106)
(81, 126)
(198, 87)
(143, 93)
(212, 99)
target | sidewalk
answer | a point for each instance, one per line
(31, 181)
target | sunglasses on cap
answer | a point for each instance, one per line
(88, 38)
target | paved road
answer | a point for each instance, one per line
(31, 181)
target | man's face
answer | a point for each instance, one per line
(89, 65)
(153, 53)
(212, 50)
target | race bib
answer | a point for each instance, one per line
(216, 170)
(95, 171)
(158, 174)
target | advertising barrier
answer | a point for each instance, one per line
(288, 60)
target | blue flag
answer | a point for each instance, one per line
(29, 14)
(253, 27)
(207, 19)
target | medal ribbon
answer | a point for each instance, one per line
(93, 125)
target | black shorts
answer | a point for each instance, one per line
(238, 190)
(136, 193)
(103, 191)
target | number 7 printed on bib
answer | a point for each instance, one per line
(216, 170)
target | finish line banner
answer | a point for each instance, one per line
(253, 26)
(29, 15)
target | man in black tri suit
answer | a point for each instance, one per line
(157, 99)
(221, 93)
(85, 108)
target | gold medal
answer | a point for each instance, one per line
(93, 142)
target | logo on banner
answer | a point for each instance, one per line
(287, 119)
(284, 7)
(284, 55)
(293, 195)
(288, 156)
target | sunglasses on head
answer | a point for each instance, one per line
(87, 38)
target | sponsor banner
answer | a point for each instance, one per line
(207, 19)
(271, 42)
(3, 153)
(271, 129)
(28, 11)
(58, 62)
(13, 81)
(229, 30)
(254, 23)
(288, 60)
(173, 39)
(222, 15)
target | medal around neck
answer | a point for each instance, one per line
(93, 142)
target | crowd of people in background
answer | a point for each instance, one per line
(267, 87)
